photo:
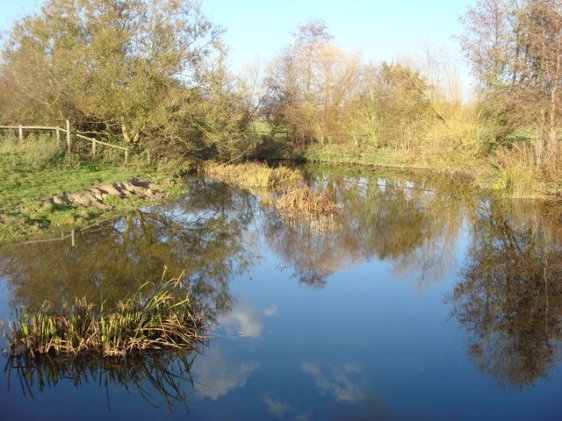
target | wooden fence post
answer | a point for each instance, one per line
(68, 135)
(20, 133)
(126, 155)
(93, 149)
(58, 134)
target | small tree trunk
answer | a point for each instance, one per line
(125, 133)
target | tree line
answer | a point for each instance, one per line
(154, 74)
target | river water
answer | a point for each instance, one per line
(417, 300)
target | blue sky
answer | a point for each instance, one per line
(256, 30)
(379, 29)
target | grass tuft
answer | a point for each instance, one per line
(162, 319)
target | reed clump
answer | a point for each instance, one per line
(303, 203)
(252, 175)
(162, 319)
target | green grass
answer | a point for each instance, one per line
(26, 182)
(39, 168)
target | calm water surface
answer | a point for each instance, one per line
(417, 301)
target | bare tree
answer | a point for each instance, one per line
(515, 48)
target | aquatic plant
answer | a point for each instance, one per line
(162, 319)
(251, 175)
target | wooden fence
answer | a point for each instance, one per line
(68, 136)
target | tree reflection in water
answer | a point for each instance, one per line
(510, 296)
(201, 234)
(415, 226)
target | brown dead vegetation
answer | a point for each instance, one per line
(302, 202)
(253, 175)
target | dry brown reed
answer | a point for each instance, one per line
(253, 175)
(303, 203)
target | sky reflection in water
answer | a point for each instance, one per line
(416, 301)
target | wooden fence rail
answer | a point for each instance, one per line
(67, 131)
(95, 141)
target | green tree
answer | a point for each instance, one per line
(145, 71)
(402, 104)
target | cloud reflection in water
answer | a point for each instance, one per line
(246, 319)
(340, 385)
(215, 376)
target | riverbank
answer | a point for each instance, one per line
(38, 199)
(505, 179)
(45, 191)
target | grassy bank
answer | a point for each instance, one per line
(503, 174)
(38, 168)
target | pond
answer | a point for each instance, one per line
(417, 300)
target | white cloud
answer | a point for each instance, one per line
(276, 407)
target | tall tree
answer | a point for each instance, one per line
(310, 85)
(515, 48)
(139, 70)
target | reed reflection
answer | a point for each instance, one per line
(161, 379)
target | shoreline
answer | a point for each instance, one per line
(470, 176)
(78, 211)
